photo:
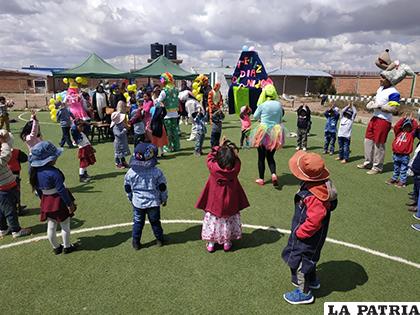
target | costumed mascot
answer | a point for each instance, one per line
(73, 99)
(169, 97)
(191, 106)
(385, 103)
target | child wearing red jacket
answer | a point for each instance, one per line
(314, 202)
(222, 198)
(402, 146)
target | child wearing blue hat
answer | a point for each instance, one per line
(57, 203)
(146, 189)
(402, 146)
(330, 132)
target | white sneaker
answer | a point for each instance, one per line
(304, 149)
(297, 148)
(4, 232)
(22, 232)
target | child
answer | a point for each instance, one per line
(314, 202)
(31, 133)
(64, 117)
(137, 121)
(146, 189)
(121, 149)
(86, 153)
(9, 221)
(222, 198)
(216, 128)
(57, 203)
(245, 125)
(159, 137)
(133, 104)
(402, 146)
(147, 116)
(200, 128)
(348, 115)
(303, 126)
(16, 159)
(332, 116)
(4, 115)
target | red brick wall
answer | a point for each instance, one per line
(369, 85)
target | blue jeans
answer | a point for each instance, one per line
(400, 167)
(329, 138)
(8, 213)
(216, 132)
(343, 148)
(139, 217)
(199, 139)
(65, 138)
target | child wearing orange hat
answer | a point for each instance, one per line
(314, 202)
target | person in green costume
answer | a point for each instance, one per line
(169, 97)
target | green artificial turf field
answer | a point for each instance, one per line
(108, 276)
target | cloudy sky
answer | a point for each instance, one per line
(316, 34)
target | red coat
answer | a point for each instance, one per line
(223, 195)
(404, 141)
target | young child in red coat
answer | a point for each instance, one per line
(222, 198)
(402, 146)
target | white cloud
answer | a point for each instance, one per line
(323, 34)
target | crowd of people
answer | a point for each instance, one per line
(152, 117)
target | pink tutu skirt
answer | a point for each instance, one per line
(221, 230)
(272, 138)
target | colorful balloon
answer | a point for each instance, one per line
(51, 107)
(79, 80)
(199, 97)
(65, 81)
(59, 98)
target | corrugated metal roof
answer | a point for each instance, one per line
(36, 73)
(299, 73)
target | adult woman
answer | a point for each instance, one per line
(268, 136)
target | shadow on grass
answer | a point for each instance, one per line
(84, 188)
(99, 242)
(108, 175)
(286, 179)
(388, 167)
(173, 155)
(341, 276)
(42, 227)
(356, 158)
(29, 212)
(257, 238)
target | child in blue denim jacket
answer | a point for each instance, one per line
(332, 114)
(146, 189)
(200, 128)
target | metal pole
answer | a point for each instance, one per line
(306, 85)
(284, 84)
(413, 86)
(281, 59)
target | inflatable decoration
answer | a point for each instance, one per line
(73, 98)
(247, 81)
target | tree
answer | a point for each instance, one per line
(323, 85)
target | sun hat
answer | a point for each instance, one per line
(117, 118)
(308, 167)
(44, 152)
(145, 155)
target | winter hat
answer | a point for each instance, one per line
(308, 167)
(145, 155)
(117, 118)
(383, 60)
(44, 152)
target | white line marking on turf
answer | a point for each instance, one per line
(249, 226)
(41, 123)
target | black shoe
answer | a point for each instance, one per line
(87, 175)
(411, 204)
(83, 179)
(159, 243)
(411, 194)
(136, 244)
(58, 250)
(72, 248)
(20, 210)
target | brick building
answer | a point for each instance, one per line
(366, 83)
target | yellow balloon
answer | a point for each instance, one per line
(51, 107)
(199, 97)
(195, 85)
(52, 101)
(65, 81)
(79, 80)
(53, 111)
(195, 92)
(59, 98)
(53, 117)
